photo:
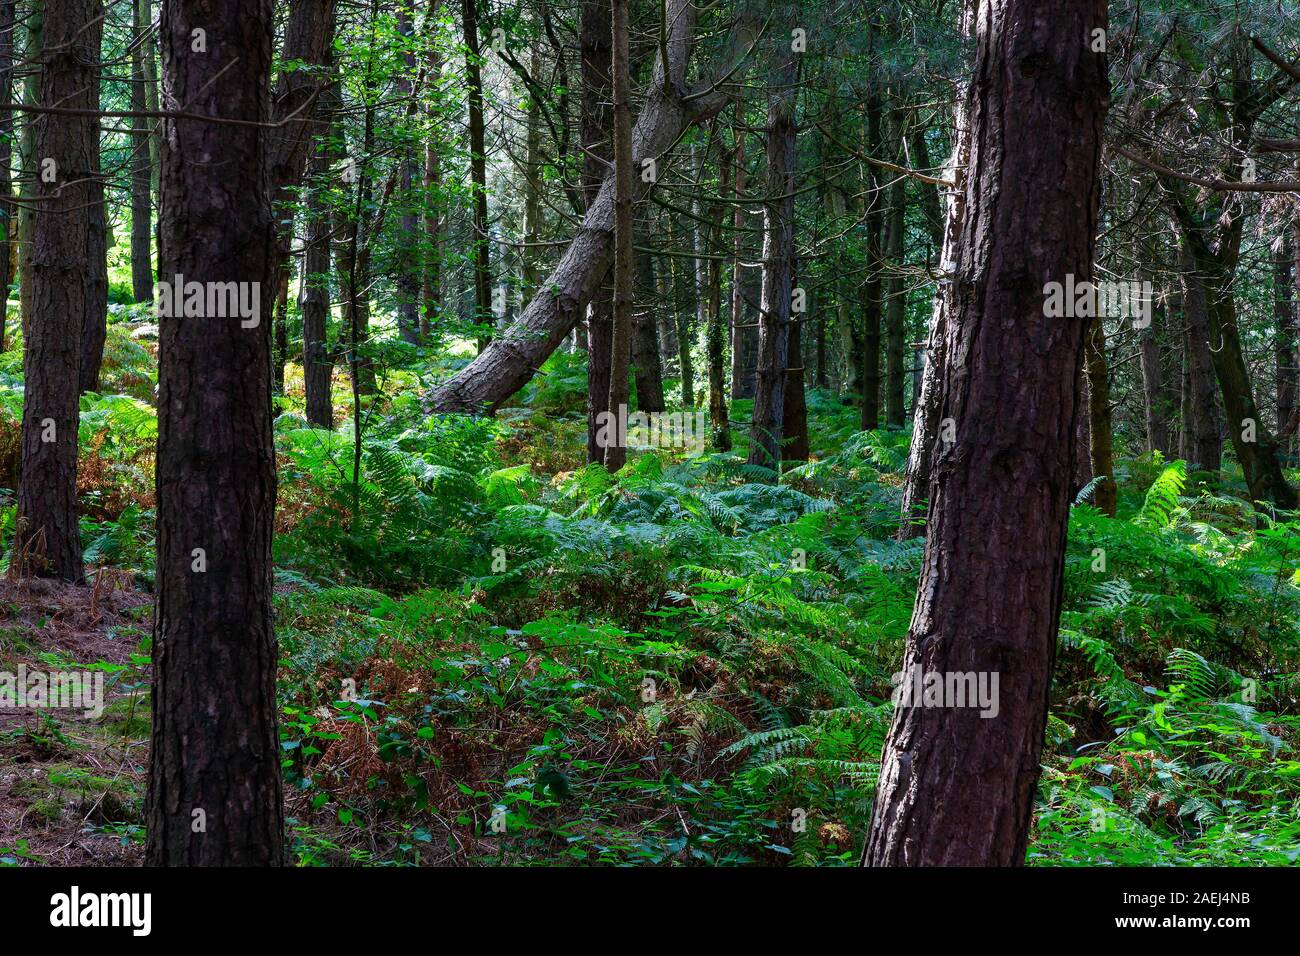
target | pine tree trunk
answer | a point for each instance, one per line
(895, 307)
(142, 274)
(214, 764)
(1202, 445)
(621, 341)
(955, 787)
(597, 122)
(65, 150)
(1100, 439)
(481, 240)
(646, 367)
(765, 437)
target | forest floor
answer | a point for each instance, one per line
(493, 653)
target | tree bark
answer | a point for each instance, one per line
(8, 220)
(895, 305)
(647, 369)
(927, 416)
(214, 765)
(1284, 331)
(142, 274)
(957, 788)
(480, 242)
(1202, 439)
(597, 121)
(621, 341)
(765, 433)
(47, 539)
(1100, 437)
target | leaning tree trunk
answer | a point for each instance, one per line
(510, 361)
(955, 787)
(214, 764)
(774, 354)
(66, 148)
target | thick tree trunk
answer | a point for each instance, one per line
(956, 787)
(142, 274)
(1100, 436)
(47, 539)
(214, 765)
(621, 341)
(505, 366)
(774, 353)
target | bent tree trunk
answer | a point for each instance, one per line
(956, 788)
(214, 764)
(512, 358)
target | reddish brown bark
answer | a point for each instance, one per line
(957, 788)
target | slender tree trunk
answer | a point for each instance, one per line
(8, 219)
(871, 290)
(314, 301)
(647, 370)
(616, 451)
(1202, 444)
(481, 241)
(928, 415)
(794, 421)
(742, 336)
(142, 273)
(720, 431)
(214, 764)
(1155, 398)
(28, 183)
(1100, 441)
(1284, 332)
(407, 281)
(957, 783)
(895, 306)
(597, 122)
(778, 273)
(431, 280)
(684, 324)
(47, 539)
